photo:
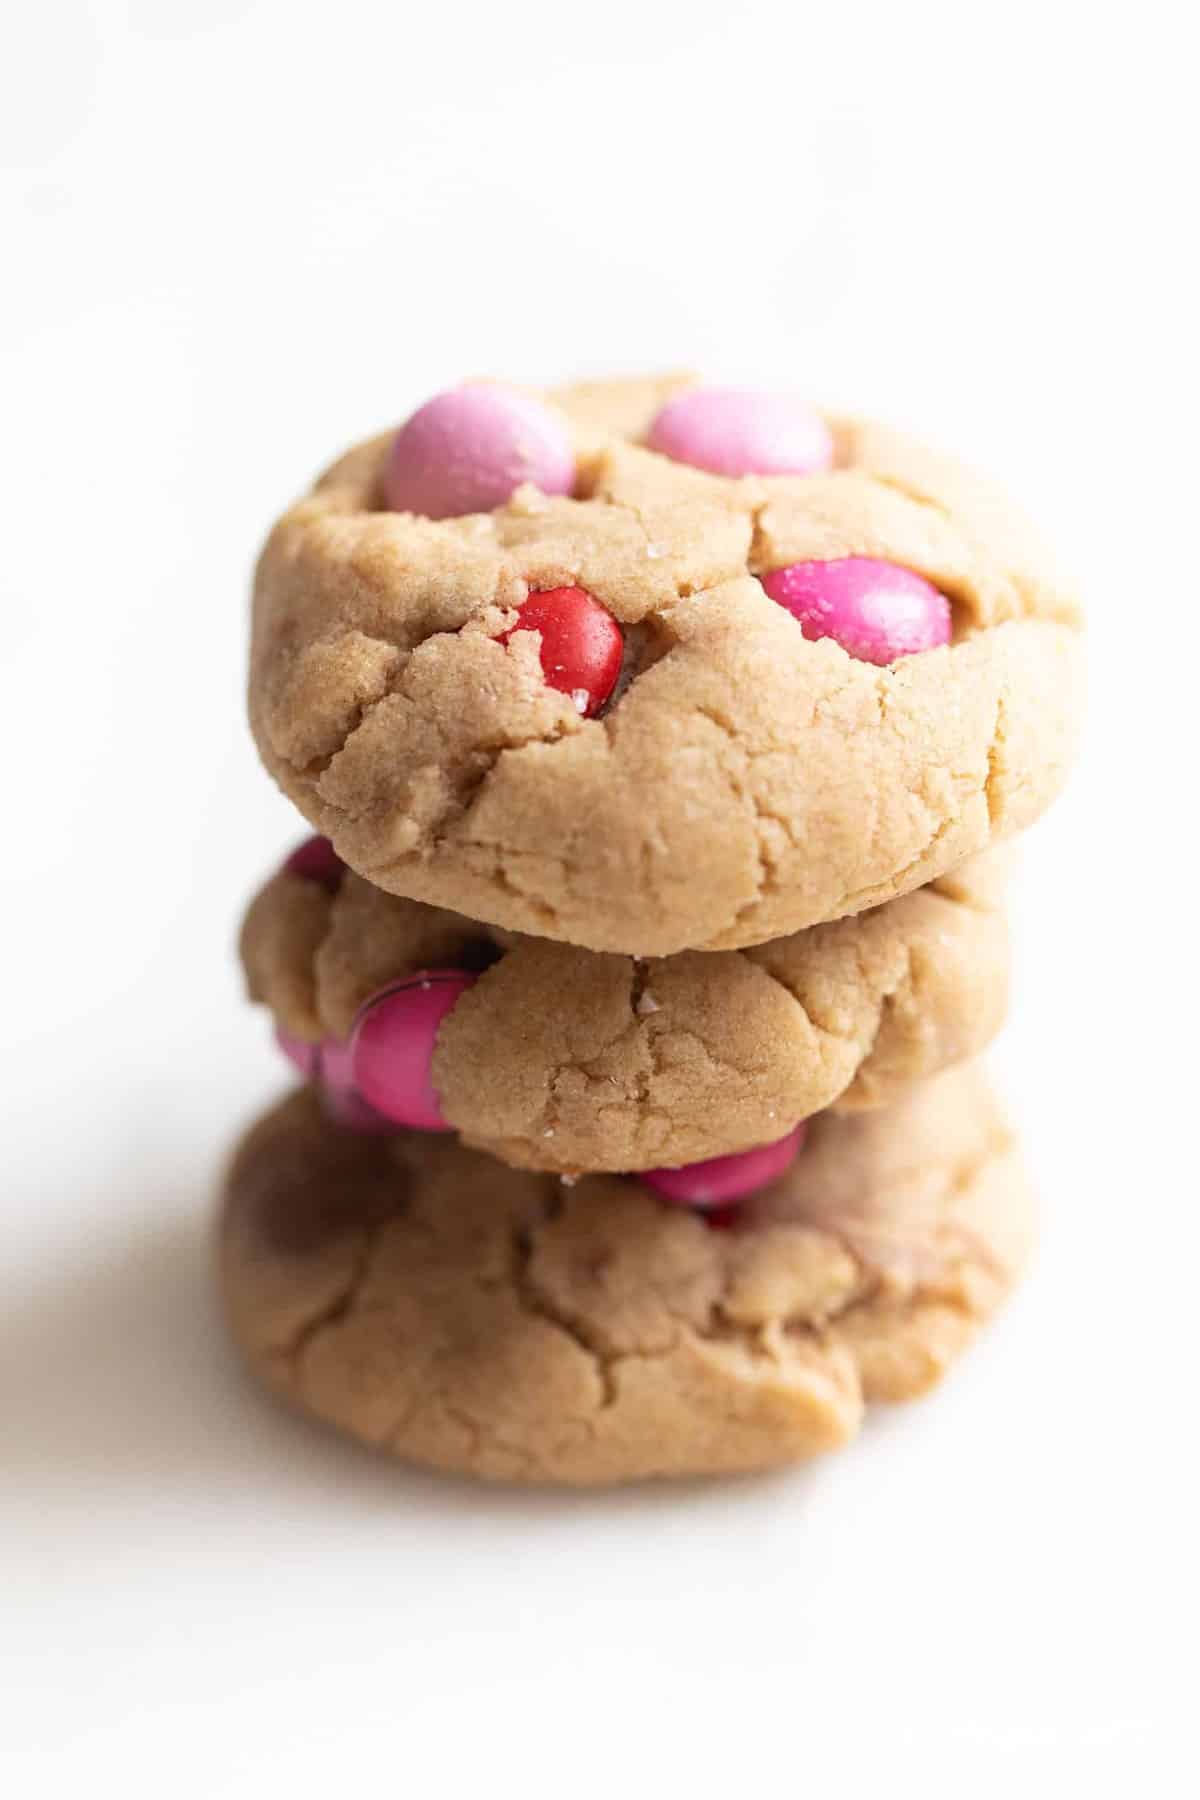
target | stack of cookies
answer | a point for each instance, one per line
(662, 740)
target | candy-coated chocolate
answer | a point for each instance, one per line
(742, 431)
(469, 449)
(317, 860)
(581, 647)
(877, 611)
(726, 1178)
(392, 1045)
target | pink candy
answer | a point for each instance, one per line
(469, 449)
(742, 431)
(726, 1178)
(392, 1045)
(877, 611)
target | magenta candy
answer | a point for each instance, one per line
(726, 1178)
(742, 431)
(468, 450)
(317, 860)
(877, 611)
(392, 1045)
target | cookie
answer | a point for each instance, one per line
(552, 1057)
(715, 779)
(440, 1306)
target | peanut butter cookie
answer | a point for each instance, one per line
(657, 712)
(444, 1308)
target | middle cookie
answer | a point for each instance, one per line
(552, 1057)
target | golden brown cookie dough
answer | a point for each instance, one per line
(449, 1310)
(566, 1059)
(745, 783)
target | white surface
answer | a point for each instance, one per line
(239, 236)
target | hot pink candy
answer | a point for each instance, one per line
(468, 450)
(392, 1045)
(726, 1178)
(877, 611)
(742, 431)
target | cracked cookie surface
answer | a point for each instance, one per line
(423, 1297)
(566, 1059)
(744, 783)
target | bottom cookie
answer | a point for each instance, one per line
(500, 1323)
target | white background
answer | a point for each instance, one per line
(239, 236)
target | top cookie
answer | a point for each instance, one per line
(742, 780)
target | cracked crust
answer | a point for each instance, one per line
(745, 783)
(440, 1306)
(571, 1060)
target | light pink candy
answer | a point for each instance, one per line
(877, 611)
(742, 431)
(726, 1178)
(468, 450)
(392, 1045)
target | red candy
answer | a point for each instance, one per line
(317, 860)
(392, 1045)
(582, 644)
